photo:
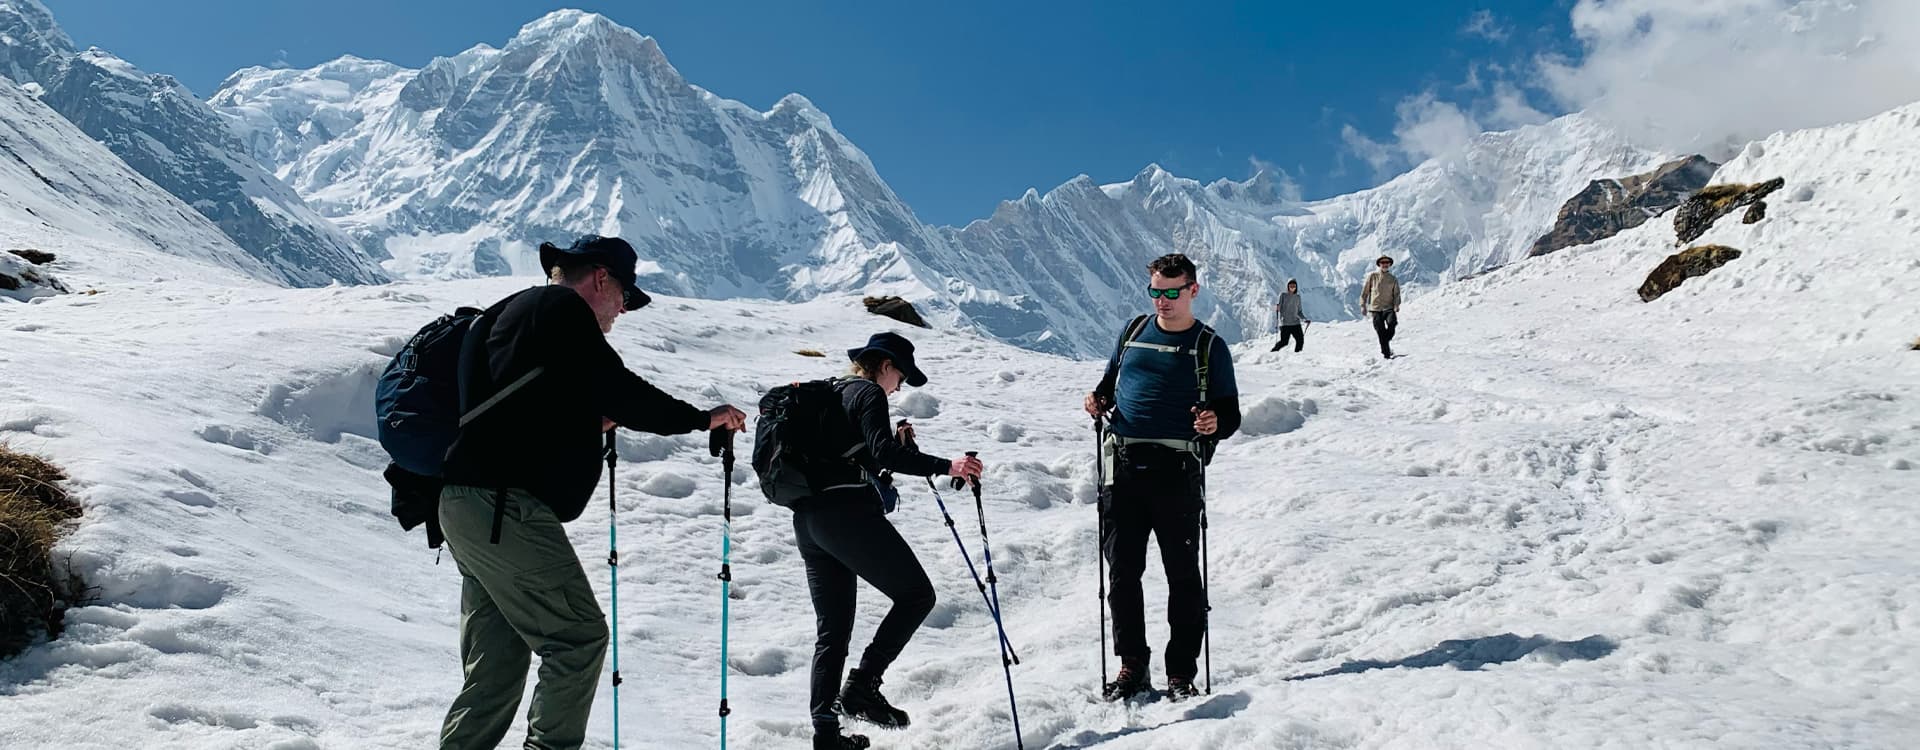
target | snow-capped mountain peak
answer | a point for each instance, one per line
(579, 125)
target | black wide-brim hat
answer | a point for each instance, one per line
(612, 253)
(897, 348)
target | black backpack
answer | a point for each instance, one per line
(417, 408)
(804, 444)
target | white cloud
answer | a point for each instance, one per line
(1708, 75)
(1509, 109)
(1683, 75)
(1378, 155)
(1427, 127)
(1483, 24)
(1284, 184)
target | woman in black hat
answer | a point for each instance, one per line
(843, 535)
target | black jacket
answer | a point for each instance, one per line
(545, 438)
(866, 407)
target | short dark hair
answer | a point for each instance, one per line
(1174, 266)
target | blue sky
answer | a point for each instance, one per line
(960, 105)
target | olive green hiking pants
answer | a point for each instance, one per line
(526, 595)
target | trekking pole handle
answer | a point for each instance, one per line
(720, 445)
(961, 482)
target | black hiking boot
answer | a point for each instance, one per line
(1181, 688)
(830, 738)
(860, 699)
(1131, 681)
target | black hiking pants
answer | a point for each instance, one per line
(1156, 490)
(840, 546)
(1385, 322)
(1296, 334)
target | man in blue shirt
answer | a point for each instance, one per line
(1170, 396)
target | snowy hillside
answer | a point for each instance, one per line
(181, 144)
(580, 125)
(58, 186)
(1565, 519)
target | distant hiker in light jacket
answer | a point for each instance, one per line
(1380, 299)
(1165, 420)
(529, 465)
(844, 537)
(1290, 320)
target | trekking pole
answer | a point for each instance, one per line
(1100, 543)
(613, 575)
(1206, 596)
(993, 585)
(991, 610)
(720, 445)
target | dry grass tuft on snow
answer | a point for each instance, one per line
(34, 511)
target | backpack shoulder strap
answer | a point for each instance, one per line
(1134, 328)
(501, 395)
(1202, 355)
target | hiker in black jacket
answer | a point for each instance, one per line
(525, 467)
(844, 535)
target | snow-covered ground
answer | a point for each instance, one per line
(1688, 523)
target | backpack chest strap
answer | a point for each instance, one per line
(1162, 348)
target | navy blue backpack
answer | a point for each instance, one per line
(417, 405)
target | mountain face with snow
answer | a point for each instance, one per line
(180, 143)
(56, 183)
(580, 125)
(1085, 246)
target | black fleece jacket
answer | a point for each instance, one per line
(545, 438)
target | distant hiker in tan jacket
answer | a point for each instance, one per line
(1380, 299)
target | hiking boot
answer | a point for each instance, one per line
(1181, 688)
(832, 739)
(1131, 681)
(860, 699)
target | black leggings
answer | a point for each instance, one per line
(838, 545)
(1296, 334)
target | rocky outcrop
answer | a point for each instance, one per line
(896, 308)
(1610, 206)
(1698, 214)
(1678, 267)
(20, 280)
(36, 257)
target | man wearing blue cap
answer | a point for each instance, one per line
(529, 464)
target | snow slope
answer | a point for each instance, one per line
(1680, 524)
(580, 125)
(57, 185)
(181, 144)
